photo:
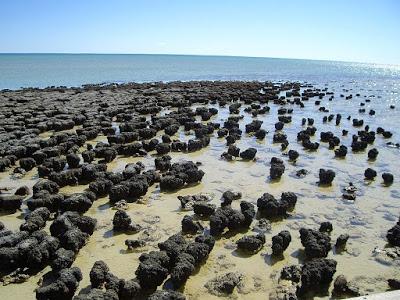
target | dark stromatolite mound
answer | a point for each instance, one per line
(388, 178)
(36, 220)
(341, 151)
(293, 155)
(316, 244)
(10, 202)
(393, 235)
(176, 257)
(248, 154)
(189, 225)
(229, 196)
(123, 222)
(73, 230)
(270, 207)
(370, 174)
(227, 217)
(326, 176)
(277, 168)
(326, 227)
(280, 242)
(63, 287)
(203, 208)
(98, 274)
(251, 243)
(180, 174)
(21, 250)
(80, 202)
(62, 259)
(317, 274)
(341, 242)
(22, 191)
(342, 288)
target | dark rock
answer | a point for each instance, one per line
(10, 203)
(22, 191)
(268, 206)
(190, 226)
(342, 288)
(150, 274)
(341, 241)
(36, 220)
(76, 202)
(393, 235)
(248, 154)
(233, 150)
(203, 208)
(316, 244)
(62, 259)
(98, 294)
(276, 170)
(370, 174)
(394, 284)
(63, 287)
(326, 227)
(251, 244)
(27, 163)
(341, 151)
(373, 153)
(293, 155)
(326, 176)
(123, 222)
(73, 239)
(317, 274)
(73, 160)
(230, 196)
(98, 274)
(130, 289)
(387, 178)
(163, 163)
(163, 148)
(280, 242)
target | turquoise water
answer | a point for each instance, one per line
(41, 70)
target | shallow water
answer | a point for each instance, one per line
(366, 220)
(41, 70)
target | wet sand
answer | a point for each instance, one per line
(366, 219)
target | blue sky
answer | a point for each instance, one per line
(350, 30)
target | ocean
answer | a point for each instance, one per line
(42, 70)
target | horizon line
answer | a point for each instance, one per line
(204, 55)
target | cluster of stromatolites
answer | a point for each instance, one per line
(150, 122)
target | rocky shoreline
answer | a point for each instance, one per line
(239, 159)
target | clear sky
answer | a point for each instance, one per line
(350, 30)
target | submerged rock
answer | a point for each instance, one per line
(224, 284)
